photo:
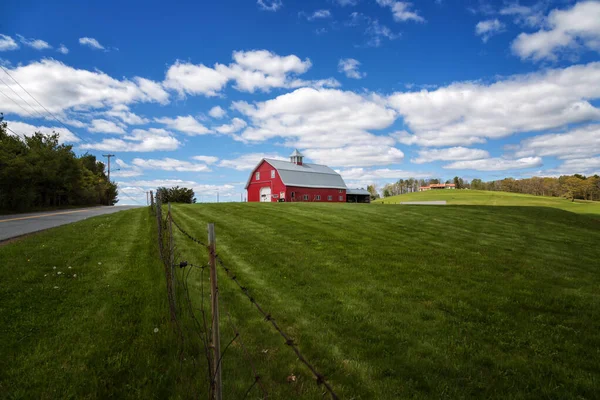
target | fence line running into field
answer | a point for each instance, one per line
(204, 330)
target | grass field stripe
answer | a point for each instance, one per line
(44, 215)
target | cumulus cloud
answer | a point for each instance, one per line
(140, 140)
(188, 125)
(401, 10)
(531, 16)
(123, 113)
(236, 125)
(91, 42)
(487, 29)
(359, 156)
(37, 44)
(199, 189)
(105, 126)
(496, 164)
(22, 128)
(217, 112)
(345, 3)
(465, 113)
(170, 164)
(248, 161)
(587, 166)
(206, 159)
(269, 5)
(349, 66)
(62, 88)
(63, 49)
(7, 43)
(318, 118)
(449, 154)
(318, 14)
(578, 143)
(251, 71)
(370, 175)
(565, 31)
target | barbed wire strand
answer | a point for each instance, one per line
(192, 238)
(288, 341)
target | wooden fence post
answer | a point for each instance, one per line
(214, 300)
(151, 200)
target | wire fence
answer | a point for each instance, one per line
(204, 327)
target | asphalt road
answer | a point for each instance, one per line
(15, 225)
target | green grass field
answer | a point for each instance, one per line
(386, 301)
(485, 198)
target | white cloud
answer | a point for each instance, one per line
(188, 125)
(577, 143)
(449, 154)
(138, 140)
(375, 31)
(217, 112)
(63, 49)
(359, 156)
(248, 161)
(586, 166)
(345, 3)
(465, 113)
(487, 29)
(236, 125)
(123, 113)
(126, 170)
(206, 159)
(63, 88)
(7, 43)
(170, 164)
(523, 15)
(251, 71)
(199, 189)
(318, 118)
(564, 31)
(22, 128)
(367, 175)
(91, 42)
(269, 5)
(152, 90)
(37, 44)
(319, 14)
(105, 126)
(496, 164)
(349, 66)
(401, 10)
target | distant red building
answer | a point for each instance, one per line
(276, 180)
(437, 186)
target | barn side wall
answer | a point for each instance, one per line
(299, 193)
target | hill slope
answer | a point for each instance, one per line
(486, 198)
(400, 302)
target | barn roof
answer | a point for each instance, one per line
(362, 192)
(305, 175)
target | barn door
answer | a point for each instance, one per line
(265, 194)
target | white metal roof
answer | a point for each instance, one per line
(363, 192)
(305, 175)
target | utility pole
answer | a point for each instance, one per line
(217, 196)
(108, 156)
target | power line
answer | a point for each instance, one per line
(25, 101)
(40, 104)
(14, 101)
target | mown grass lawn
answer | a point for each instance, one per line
(487, 198)
(79, 306)
(396, 301)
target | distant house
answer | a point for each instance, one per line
(437, 186)
(276, 180)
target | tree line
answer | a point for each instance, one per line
(569, 186)
(38, 172)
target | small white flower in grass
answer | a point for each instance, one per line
(99, 263)
(74, 275)
(155, 330)
(59, 272)
(69, 267)
(45, 274)
(55, 287)
(53, 267)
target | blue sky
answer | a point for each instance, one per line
(196, 94)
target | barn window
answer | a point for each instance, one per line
(341, 191)
(272, 174)
(341, 198)
(318, 197)
(329, 198)
(293, 195)
(305, 197)
(257, 175)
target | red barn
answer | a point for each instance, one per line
(276, 180)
